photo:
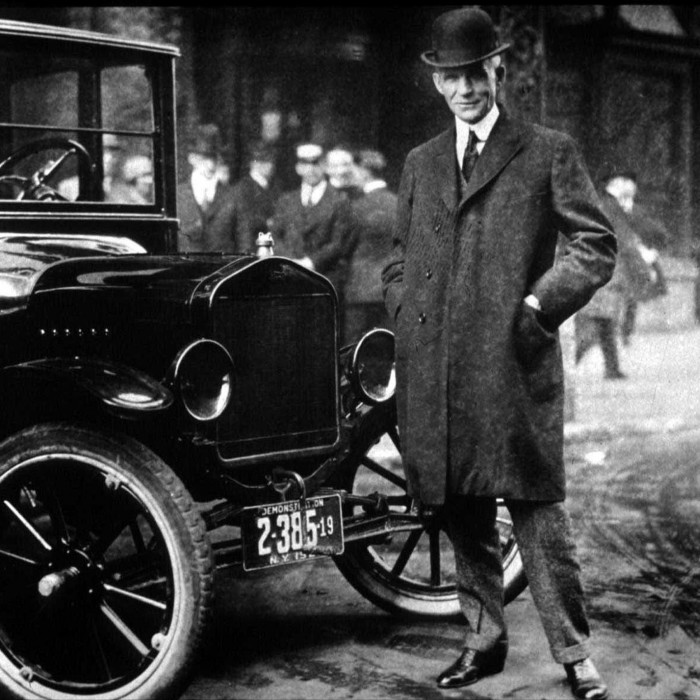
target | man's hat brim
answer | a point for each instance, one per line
(430, 57)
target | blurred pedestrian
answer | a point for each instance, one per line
(373, 217)
(652, 237)
(136, 183)
(341, 168)
(478, 293)
(600, 321)
(254, 197)
(312, 224)
(205, 204)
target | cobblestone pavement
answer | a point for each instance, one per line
(633, 460)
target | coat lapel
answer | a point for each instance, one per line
(500, 148)
(445, 169)
(215, 204)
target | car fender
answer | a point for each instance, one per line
(119, 389)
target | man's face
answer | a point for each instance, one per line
(310, 173)
(204, 165)
(470, 91)
(624, 190)
(340, 168)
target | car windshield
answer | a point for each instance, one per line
(75, 128)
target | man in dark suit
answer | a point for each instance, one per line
(312, 224)
(205, 203)
(477, 295)
(373, 214)
(254, 198)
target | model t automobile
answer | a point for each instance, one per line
(163, 414)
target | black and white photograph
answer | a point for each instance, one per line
(350, 353)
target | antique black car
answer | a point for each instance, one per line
(162, 413)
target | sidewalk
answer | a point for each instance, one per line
(661, 392)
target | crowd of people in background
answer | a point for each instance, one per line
(336, 222)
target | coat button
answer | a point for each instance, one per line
(421, 318)
(429, 273)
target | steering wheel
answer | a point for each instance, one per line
(34, 186)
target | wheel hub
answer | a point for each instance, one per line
(78, 571)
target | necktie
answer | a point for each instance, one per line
(470, 155)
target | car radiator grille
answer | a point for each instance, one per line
(285, 388)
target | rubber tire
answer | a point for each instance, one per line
(182, 529)
(372, 583)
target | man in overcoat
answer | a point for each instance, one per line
(205, 203)
(312, 223)
(477, 293)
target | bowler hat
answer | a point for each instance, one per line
(207, 141)
(461, 37)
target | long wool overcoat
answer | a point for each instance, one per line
(480, 378)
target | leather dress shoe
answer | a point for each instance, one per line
(472, 666)
(585, 681)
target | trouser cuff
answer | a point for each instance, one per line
(570, 655)
(483, 642)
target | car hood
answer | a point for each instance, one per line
(32, 264)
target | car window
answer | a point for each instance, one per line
(75, 130)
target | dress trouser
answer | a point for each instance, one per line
(601, 331)
(543, 533)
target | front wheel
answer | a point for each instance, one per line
(105, 568)
(412, 572)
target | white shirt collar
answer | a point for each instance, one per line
(259, 179)
(314, 192)
(374, 185)
(482, 129)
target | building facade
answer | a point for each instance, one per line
(623, 80)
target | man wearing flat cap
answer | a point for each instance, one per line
(477, 295)
(312, 224)
(205, 203)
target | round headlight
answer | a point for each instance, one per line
(203, 378)
(373, 368)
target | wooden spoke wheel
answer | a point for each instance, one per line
(409, 572)
(105, 569)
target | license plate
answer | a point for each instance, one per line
(291, 531)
